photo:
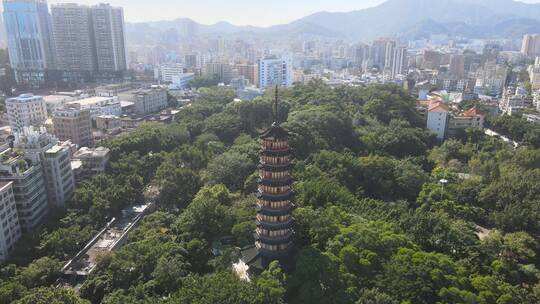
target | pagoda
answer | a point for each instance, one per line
(274, 221)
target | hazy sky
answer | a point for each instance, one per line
(240, 12)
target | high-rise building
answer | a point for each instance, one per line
(223, 71)
(431, 60)
(456, 67)
(108, 23)
(28, 28)
(389, 53)
(74, 44)
(191, 61)
(74, 124)
(26, 110)
(41, 147)
(361, 53)
(399, 61)
(249, 72)
(531, 45)
(10, 230)
(378, 53)
(274, 71)
(28, 188)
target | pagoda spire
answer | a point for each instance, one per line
(275, 108)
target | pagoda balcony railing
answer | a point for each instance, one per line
(275, 225)
(276, 149)
(274, 211)
(274, 239)
(270, 178)
(275, 195)
(275, 253)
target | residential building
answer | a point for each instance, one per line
(274, 71)
(146, 101)
(108, 122)
(74, 43)
(108, 23)
(431, 60)
(531, 45)
(113, 89)
(389, 53)
(10, 230)
(491, 79)
(99, 105)
(532, 118)
(399, 62)
(73, 123)
(38, 146)
(25, 110)
(94, 161)
(438, 117)
(221, 71)
(27, 24)
(28, 188)
(191, 61)
(167, 72)
(511, 102)
(456, 67)
(249, 72)
(470, 119)
(182, 81)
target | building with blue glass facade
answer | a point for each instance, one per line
(28, 28)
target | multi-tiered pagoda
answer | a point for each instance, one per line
(274, 232)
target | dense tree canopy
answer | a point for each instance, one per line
(374, 224)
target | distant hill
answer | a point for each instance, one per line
(409, 18)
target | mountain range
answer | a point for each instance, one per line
(404, 18)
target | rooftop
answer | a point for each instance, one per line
(90, 101)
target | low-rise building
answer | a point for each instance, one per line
(471, 119)
(74, 124)
(99, 105)
(108, 122)
(113, 89)
(532, 118)
(94, 161)
(147, 101)
(10, 230)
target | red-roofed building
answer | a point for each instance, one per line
(437, 118)
(471, 118)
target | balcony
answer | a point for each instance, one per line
(274, 211)
(275, 225)
(274, 254)
(274, 240)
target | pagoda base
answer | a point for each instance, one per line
(258, 261)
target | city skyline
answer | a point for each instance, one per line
(238, 12)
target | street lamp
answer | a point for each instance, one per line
(443, 182)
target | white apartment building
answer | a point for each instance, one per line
(166, 73)
(28, 188)
(55, 157)
(147, 101)
(275, 71)
(99, 105)
(181, 81)
(25, 110)
(438, 118)
(10, 231)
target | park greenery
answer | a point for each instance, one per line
(374, 225)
